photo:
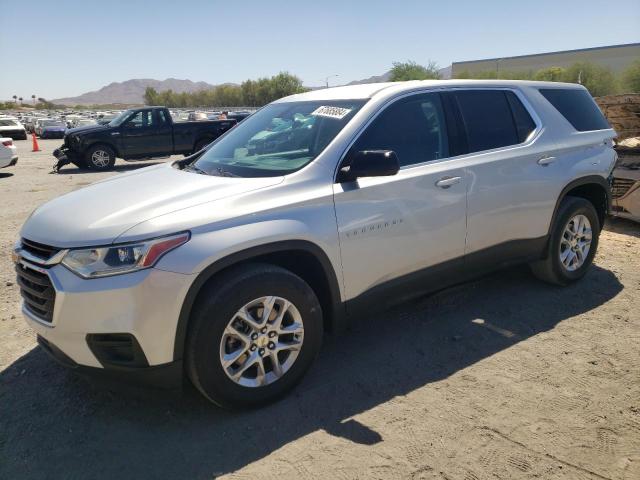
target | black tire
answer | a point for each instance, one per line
(100, 158)
(200, 144)
(217, 304)
(551, 269)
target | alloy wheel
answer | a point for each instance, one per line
(261, 341)
(575, 242)
(100, 158)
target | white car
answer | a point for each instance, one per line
(228, 266)
(12, 128)
(8, 153)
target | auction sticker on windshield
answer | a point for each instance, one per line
(331, 112)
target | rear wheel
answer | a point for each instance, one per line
(100, 157)
(573, 243)
(253, 334)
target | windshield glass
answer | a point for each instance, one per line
(52, 123)
(278, 139)
(5, 122)
(121, 117)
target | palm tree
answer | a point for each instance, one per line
(15, 98)
(33, 97)
(20, 100)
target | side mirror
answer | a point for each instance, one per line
(369, 163)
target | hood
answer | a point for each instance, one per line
(99, 213)
(57, 128)
(87, 128)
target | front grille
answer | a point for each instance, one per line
(40, 250)
(37, 292)
(621, 186)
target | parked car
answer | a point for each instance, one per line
(228, 266)
(137, 134)
(105, 118)
(29, 123)
(197, 117)
(237, 116)
(12, 128)
(626, 181)
(50, 128)
(8, 152)
(83, 122)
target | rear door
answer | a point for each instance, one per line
(512, 178)
(392, 229)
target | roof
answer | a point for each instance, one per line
(557, 52)
(369, 90)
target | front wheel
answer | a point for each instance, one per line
(572, 245)
(253, 334)
(100, 157)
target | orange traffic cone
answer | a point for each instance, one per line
(35, 143)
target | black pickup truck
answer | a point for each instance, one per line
(136, 134)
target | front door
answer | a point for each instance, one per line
(393, 229)
(140, 136)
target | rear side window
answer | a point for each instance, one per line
(577, 106)
(487, 119)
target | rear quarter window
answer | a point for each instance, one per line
(577, 107)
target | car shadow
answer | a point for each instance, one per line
(6, 174)
(117, 168)
(55, 424)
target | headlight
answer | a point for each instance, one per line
(124, 258)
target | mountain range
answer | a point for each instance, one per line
(132, 91)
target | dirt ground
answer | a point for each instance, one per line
(504, 378)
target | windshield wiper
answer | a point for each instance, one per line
(225, 173)
(193, 168)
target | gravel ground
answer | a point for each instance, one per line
(505, 378)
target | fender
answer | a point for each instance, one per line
(335, 310)
(596, 179)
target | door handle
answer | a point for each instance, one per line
(544, 161)
(446, 182)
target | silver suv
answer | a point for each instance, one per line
(228, 266)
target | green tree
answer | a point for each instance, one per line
(630, 80)
(403, 71)
(551, 74)
(150, 96)
(598, 80)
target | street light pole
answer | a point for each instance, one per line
(326, 80)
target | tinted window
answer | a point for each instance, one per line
(414, 128)
(487, 118)
(524, 123)
(141, 119)
(577, 106)
(162, 116)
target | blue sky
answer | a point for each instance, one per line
(68, 47)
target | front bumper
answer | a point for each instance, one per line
(168, 375)
(143, 305)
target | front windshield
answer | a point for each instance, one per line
(278, 139)
(52, 123)
(118, 119)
